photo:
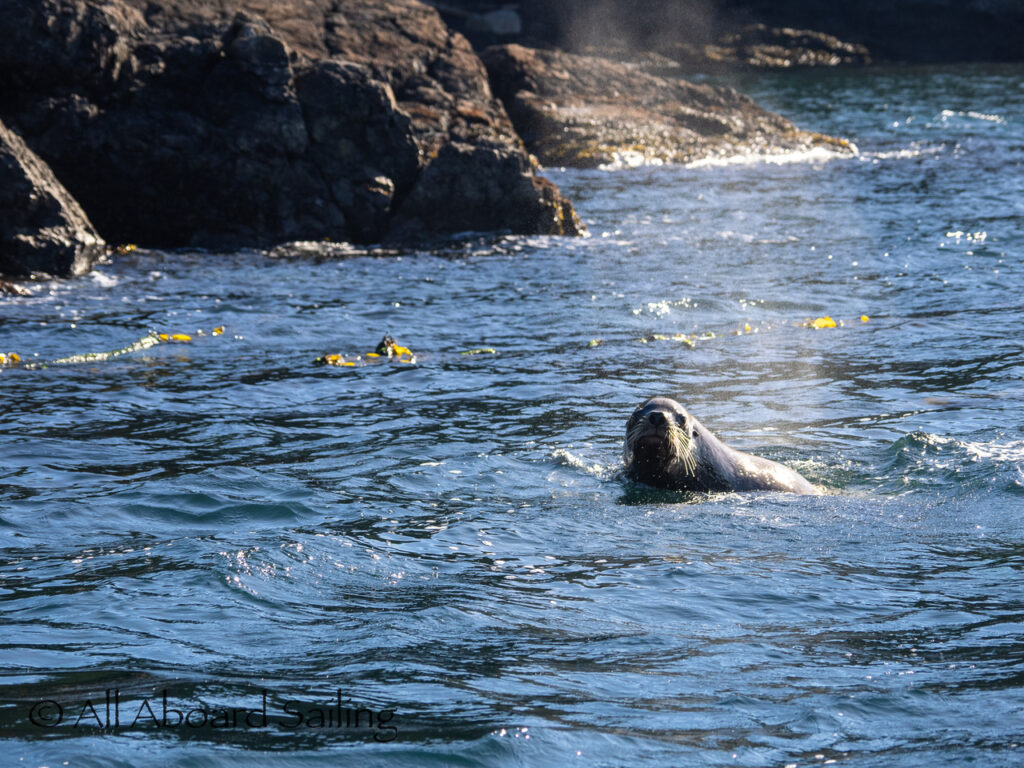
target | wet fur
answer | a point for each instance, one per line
(679, 453)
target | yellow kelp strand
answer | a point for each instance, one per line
(820, 322)
(388, 346)
(150, 340)
(90, 357)
(333, 360)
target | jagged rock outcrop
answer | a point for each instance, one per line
(180, 122)
(42, 228)
(586, 111)
(758, 46)
(909, 30)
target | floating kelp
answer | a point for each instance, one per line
(820, 322)
(387, 347)
(333, 360)
(480, 351)
(146, 342)
(91, 357)
(690, 340)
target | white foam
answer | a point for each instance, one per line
(104, 280)
(572, 460)
(1011, 452)
(901, 154)
(630, 159)
(813, 155)
(948, 113)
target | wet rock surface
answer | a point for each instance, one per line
(42, 228)
(585, 111)
(187, 123)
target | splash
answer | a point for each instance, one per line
(570, 459)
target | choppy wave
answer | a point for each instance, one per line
(922, 459)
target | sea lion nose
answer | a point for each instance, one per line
(656, 418)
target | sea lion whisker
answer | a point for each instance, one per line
(682, 449)
(632, 435)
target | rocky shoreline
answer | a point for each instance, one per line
(587, 112)
(191, 123)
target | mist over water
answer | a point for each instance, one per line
(452, 541)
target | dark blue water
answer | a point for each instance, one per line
(445, 550)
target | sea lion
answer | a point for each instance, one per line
(667, 448)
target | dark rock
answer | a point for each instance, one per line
(13, 289)
(586, 111)
(764, 47)
(484, 188)
(180, 122)
(909, 30)
(42, 228)
(468, 144)
(206, 141)
(80, 45)
(757, 46)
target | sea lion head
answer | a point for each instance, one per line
(660, 444)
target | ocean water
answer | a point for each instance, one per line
(216, 552)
